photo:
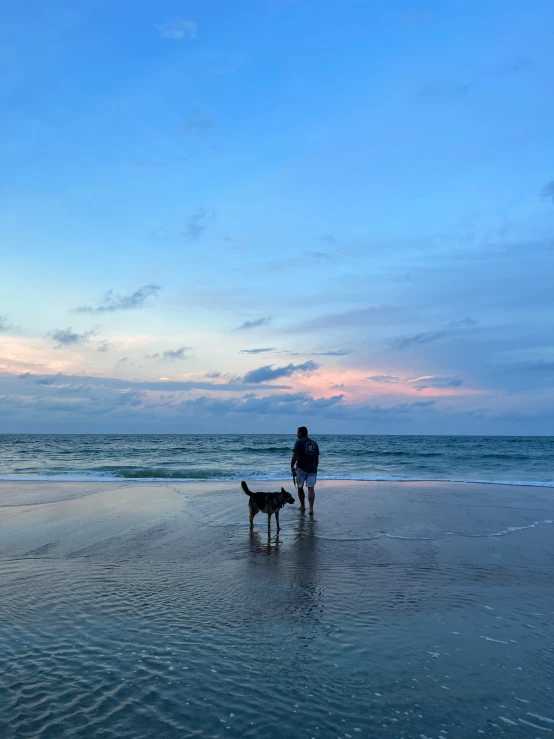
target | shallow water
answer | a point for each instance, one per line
(152, 611)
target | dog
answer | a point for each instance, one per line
(270, 503)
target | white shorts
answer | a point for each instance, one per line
(305, 477)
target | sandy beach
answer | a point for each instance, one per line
(150, 610)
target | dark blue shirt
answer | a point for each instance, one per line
(307, 454)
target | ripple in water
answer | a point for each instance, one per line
(194, 626)
(173, 650)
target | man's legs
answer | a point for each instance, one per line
(311, 498)
(302, 498)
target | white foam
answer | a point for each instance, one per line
(69, 477)
(496, 641)
(386, 535)
(281, 474)
(507, 721)
(511, 529)
(535, 726)
(541, 718)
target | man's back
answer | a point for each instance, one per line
(307, 454)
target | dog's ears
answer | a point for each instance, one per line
(283, 490)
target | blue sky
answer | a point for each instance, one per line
(245, 216)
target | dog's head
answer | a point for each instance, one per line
(287, 497)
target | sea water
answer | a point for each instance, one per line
(507, 459)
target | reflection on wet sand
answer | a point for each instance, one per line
(305, 575)
(153, 610)
(264, 545)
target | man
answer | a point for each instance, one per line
(305, 456)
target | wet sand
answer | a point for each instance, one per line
(151, 610)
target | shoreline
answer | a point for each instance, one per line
(36, 513)
(55, 479)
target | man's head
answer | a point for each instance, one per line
(302, 432)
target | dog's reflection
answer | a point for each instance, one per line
(268, 545)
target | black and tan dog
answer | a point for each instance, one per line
(270, 503)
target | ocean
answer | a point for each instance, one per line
(513, 460)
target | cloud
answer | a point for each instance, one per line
(284, 403)
(425, 337)
(540, 365)
(68, 337)
(444, 89)
(198, 122)
(547, 191)
(377, 314)
(434, 381)
(333, 353)
(382, 414)
(464, 323)
(329, 239)
(304, 405)
(85, 404)
(122, 404)
(198, 223)
(178, 29)
(261, 350)
(233, 385)
(4, 325)
(318, 255)
(388, 379)
(176, 353)
(268, 372)
(112, 302)
(44, 381)
(104, 346)
(253, 324)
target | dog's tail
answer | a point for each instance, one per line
(244, 486)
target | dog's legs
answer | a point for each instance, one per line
(268, 523)
(277, 519)
(251, 518)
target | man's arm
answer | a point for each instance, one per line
(293, 461)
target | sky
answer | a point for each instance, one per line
(233, 217)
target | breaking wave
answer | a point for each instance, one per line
(161, 475)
